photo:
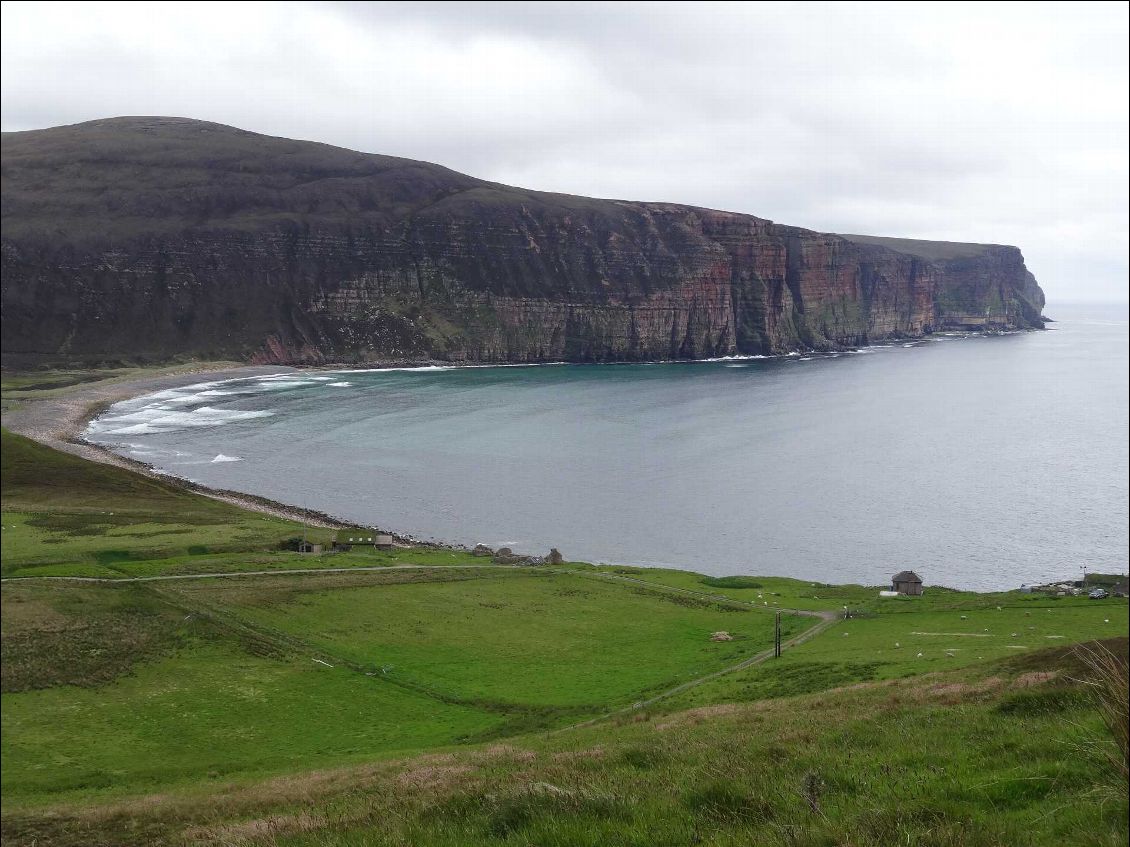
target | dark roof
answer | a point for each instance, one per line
(906, 576)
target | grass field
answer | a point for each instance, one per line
(905, 644)
(1014, 757)
(64, 515)
(103, 681)
(505, 638)
(425, 696)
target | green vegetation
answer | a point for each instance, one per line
(63, 515)
(933, 250)
(784, 593)
(405, 659)
(730, 582)
(933, 761)
(911, 643)
(426, 696)
(565, 643)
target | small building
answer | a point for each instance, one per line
(383, 542)
(308, 547)
(907, 582)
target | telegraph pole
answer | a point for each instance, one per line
(777, 636)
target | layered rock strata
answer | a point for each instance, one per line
(154, 238)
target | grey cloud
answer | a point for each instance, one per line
(995, 122)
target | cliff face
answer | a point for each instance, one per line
(148, 238)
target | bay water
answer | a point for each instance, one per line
(979, 462)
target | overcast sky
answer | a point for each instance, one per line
(980, 122)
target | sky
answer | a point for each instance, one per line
(1002, 123)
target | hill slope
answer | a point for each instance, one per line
(161, 237)
(408, 698)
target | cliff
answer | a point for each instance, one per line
(152, 238)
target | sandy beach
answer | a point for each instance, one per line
(59, 422)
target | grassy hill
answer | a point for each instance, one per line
(67, 516)
(424, 696)
(933, 250)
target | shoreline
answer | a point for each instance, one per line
(59, 421)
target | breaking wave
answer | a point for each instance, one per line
(158, 418)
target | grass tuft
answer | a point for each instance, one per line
(1106, 674)
(723, 801)
(1044, 702)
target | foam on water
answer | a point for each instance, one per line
(739, 358)
(182, 400)
(157, 419)
(276, 384)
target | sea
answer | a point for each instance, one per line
(980, 462)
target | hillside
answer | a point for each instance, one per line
(157, 238)
(243, 694)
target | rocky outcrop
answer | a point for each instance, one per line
(152, 238)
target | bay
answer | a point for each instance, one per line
(979, 462)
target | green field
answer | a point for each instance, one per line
(373, 663)
(426, 696)
(65, 516)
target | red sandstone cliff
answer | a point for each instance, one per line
(158, 237)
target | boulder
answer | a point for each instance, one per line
(482, 550)
(554, 557)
